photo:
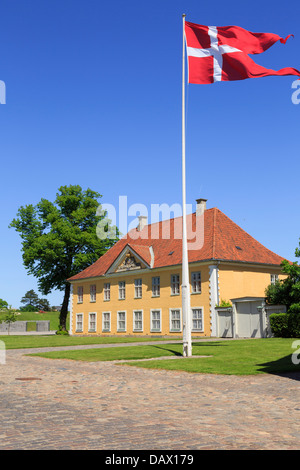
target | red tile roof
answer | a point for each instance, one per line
(223, 240)
(143, 252)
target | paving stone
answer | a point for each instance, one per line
(101, 405)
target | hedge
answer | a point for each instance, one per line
(294, 324)
(279, 325)
(285, 325)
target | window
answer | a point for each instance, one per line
(79, 321)
(107, 291)
(175, 290)
(274, 278)
(175, 320)
(155, 320)
(121, 290)
(106, 321)
(156, 286)
(121, 321)
(196, 283)
(197, 319)
(79, 295)
(93, 293)
(92, 321)
(138, 288)
(138, 320)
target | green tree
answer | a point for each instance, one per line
(3, 304)
(59, 239)
(43, 304)
(28, 308)
(286, 291)
(10, 318)
(30, 298)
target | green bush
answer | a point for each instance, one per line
(294, 324)
(279, 325)
(62, 332)
(285, 325)
(294, 308)
(224, 303)
(28, 308)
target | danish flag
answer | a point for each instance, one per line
(221, 53)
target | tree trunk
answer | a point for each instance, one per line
(64, 308)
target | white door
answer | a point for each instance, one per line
(225, 324)
(249, 322)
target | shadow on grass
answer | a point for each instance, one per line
(176, 353)
(195, 346)
(283, 367)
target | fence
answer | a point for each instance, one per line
(23, 326)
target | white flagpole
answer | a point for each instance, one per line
(185, 288)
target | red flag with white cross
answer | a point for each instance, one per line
(221, 53)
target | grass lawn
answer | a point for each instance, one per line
(20, 342)
(110, 354)
(238, 357)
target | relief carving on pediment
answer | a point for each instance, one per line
(129, 263)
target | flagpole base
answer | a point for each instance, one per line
(187, 350)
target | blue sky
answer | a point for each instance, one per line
(93, 97)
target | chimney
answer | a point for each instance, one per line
(142, 222)
(201, 206)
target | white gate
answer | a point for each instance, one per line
(249, 322)
(225, 325)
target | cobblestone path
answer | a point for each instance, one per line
(60, 404)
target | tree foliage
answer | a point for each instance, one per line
(33, 302)
(59, 239)
(30, 298)
(286, 291)
(28, 308)
(43, 304)
(3, 304)
(10, 317)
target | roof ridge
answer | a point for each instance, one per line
(166, 220)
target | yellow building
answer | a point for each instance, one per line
(135, 288)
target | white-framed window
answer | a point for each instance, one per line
(175, 319)
(196, 283)
(273, 278)
(92, 321)
(79, 294)
(79, 321)
(107, 291)
(121, 321)
(138, 320)
(175, 289)
(93, 293)
(105, 321)
(156, 286)
(197, 319)
(138, 288)
(121, 290)
(156, 320)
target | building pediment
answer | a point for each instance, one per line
(128, 264)
(128, 260)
